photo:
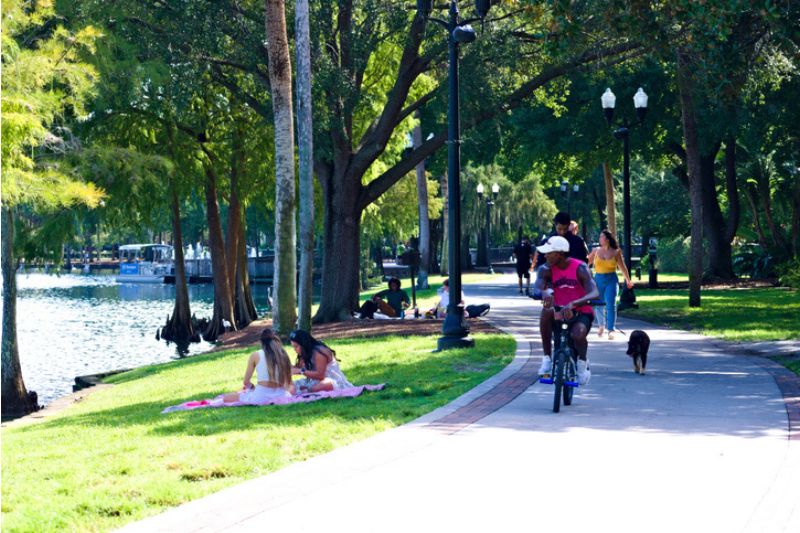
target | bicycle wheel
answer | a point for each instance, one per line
(570, 374)
(558, 378)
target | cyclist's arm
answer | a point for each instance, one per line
(543, 280)
(589, 286)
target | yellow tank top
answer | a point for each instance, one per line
(605, 266)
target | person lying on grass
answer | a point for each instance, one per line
(274, 370)
(317, 363)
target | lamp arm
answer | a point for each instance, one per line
(440, 22)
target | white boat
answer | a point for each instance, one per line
(144, 263)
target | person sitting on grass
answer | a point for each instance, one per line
(274, 371)
(392, 302)
(440, 309)
(317, 363)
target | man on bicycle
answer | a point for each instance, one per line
(568, 283)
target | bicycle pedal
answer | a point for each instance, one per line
(546, 380)
(572, 384)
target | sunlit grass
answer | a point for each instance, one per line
(733, 314)
(113, 458)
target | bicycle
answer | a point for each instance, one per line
(565, 360)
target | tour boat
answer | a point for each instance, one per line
(144, 263)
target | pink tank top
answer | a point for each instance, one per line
(566, 287)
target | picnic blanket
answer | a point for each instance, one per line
(349, 392)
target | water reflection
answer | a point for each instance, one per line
(72, 325)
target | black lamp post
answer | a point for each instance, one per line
(623, 132)
(489, 203)
(455, 330)
(567, 190)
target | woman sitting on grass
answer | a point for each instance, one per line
(317, 363)
(274, 373)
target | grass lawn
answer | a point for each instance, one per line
(738, 315)
(427, 298)
(113, 458)
(792, 363)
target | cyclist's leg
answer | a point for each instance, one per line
(546, 330)
(579, 330)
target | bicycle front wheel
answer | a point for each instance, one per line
(558, 378)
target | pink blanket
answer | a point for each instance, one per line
(350, 392)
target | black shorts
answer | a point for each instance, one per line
(524, 271)
(584, 318)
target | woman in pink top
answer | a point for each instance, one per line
(567, 283)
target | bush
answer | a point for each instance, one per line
(753, 261)
(790, 273)
(673, 255)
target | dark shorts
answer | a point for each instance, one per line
(524, 271)
(584, 318)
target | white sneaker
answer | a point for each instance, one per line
(547, 366)
(584, 374)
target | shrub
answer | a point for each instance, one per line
(673, 255)
(790, 273)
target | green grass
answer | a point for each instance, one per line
(113, 458)
(792, 363)
(665, 277)
(734, 314)
(427, 298)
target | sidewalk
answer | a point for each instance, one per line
(701, 443)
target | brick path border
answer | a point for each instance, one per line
(489, 402)
(789, 384)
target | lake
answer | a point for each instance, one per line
(72, 325)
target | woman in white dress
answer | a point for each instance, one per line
(274, 373)
(317, 363)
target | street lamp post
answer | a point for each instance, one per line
(455, 330)
(565, 188)
(608, 101)
(489, 203)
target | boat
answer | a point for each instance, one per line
(145, 263)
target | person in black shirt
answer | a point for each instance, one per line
(577, 246)
(523, 253)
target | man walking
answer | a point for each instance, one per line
(523, 252)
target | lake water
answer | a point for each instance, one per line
(72, 325)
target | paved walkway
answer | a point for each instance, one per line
(701, 443)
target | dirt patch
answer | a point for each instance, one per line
(351, 328)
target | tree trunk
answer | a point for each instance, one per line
(751, 201)
(765, 197)
(611, 208)
(796, 219)
(715, 229)
(232, 232)
(244, 309)
(284, 315)
(424, 221)
(601, 219)
(179, 328)
(690, 135)
(223, 299)
(15, 399)
(306, 160)
(341, 257)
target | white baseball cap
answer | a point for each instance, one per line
(555, 243)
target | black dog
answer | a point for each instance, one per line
(638, 346)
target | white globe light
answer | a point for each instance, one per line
(640, 99)
(608, 99)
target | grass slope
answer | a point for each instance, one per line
(114, 458)
(734, 314)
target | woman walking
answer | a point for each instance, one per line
(606, 259)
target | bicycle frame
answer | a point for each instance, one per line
(564, 367)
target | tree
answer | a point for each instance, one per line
(280, 77)
(44, 82)
(306, 160)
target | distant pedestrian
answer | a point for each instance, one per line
(523, 254)
(606, 259)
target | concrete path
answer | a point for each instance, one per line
(701, 443)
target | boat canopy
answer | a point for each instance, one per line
(155, 253)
